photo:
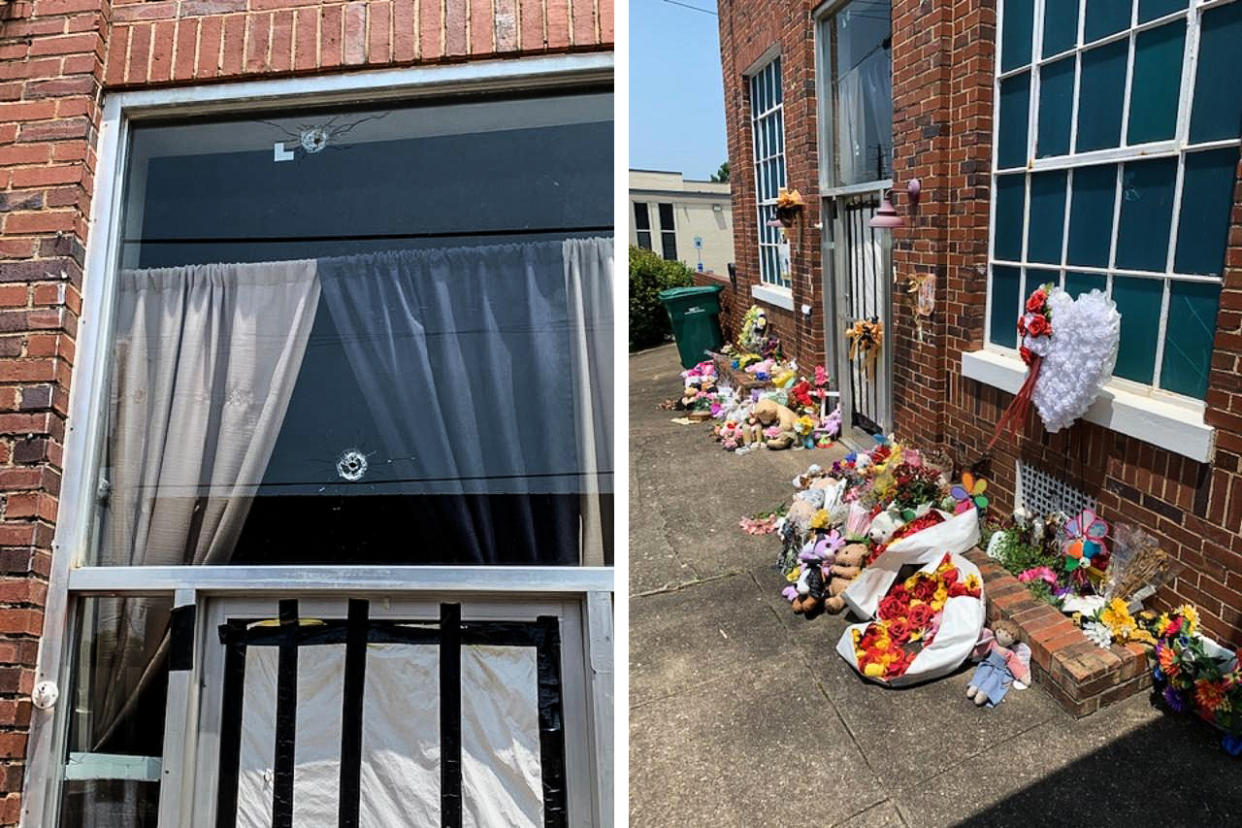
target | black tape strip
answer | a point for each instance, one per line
(181, 638)
(551, 724)
(502, 634)
(450, 715)
(286, 718)
(351, 714)
(230, 723)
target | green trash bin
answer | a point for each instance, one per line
(695, 314)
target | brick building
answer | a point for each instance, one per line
(1090, 145)
(143, 143)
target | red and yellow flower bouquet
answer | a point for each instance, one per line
(908, 619)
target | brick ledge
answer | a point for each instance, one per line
(1081, 676)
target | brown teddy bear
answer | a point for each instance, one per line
(769, 413)
(846, 568)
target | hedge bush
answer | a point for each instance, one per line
(650, 274)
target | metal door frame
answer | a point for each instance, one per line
(188, 794)
(834, 257)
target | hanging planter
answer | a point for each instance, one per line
(789, 205)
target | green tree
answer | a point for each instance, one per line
(650, 274)
(721, 176)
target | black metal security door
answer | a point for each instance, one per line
(292, 636)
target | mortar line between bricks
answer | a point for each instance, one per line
(806, 662)
(665, 590)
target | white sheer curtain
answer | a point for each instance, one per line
(865, 120)
(468, 360)
(588, 286)
(206, 360)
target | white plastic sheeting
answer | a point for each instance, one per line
(400, 781)
(317, 747)
(400, 774)
(501, 781)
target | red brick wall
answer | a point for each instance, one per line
(942, 89)
(748, 29)
(57, 57)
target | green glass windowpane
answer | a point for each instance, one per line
(1060, 26)
(1076, 284)
(1207, 201)
(1016, 37)
(1091, 215)
(1006, 282)
(1157, 83)
(1105, 17)
(1056, 108)
(1047, 220)
(1010, 195)
(1218, 93)
(1146, 211)
(1188, 337)
(1151, 9)
(1015, 99)
(1102, 91)
(1138, 300)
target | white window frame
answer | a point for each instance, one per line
(671, 230)
(765, 207)
(1179, 146)
(588, 588)
(1141, 410)
(638, 231)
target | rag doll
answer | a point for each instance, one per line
(1005, 662)
(812, 587)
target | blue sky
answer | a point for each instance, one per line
(676, 92)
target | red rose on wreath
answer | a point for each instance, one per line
(1038, 326)
(920, 616)
(1035, 303)
(1021, 326)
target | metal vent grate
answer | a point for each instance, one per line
(1040, 493)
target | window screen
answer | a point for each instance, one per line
(1115, 160)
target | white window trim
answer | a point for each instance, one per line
(1199, 442)
(760, 202)
(592, 587)
(778, 296)
(1162, 419)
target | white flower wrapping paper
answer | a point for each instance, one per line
(1078, 356)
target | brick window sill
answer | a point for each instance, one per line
(775, 295)
(1174, 426)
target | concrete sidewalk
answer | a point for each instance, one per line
(742, 713)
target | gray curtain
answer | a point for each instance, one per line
(206, 359)
(469, 360)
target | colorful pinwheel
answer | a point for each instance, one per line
(1084, 539)
(970, 492)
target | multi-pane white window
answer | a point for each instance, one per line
(1116, 149)
(767, 122)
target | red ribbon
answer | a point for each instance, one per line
(1016, 411)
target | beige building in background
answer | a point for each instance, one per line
(686, 220)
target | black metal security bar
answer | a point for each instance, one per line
(450, 633)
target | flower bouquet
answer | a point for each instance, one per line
(911, 617)
(1195, 673)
